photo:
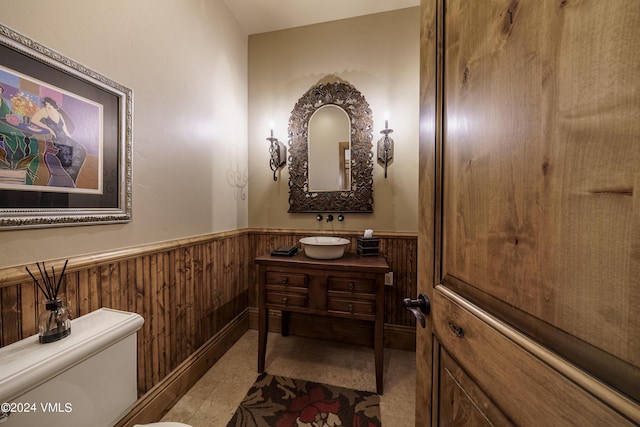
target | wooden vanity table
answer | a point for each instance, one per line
(349, 287)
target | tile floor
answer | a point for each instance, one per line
(213, 399)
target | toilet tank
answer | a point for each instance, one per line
(87, 379)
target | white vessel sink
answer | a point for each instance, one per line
(324, 247)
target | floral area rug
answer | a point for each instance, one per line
(284, 402)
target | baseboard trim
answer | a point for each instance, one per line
(157, 401)
(397, 337)
(152, 406)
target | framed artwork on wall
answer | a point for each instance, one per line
(65, 140)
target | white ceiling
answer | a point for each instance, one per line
(261, 16)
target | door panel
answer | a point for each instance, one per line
(530, 213)
(538, 201)
(462, 402)
(541, 158)
(512, 371)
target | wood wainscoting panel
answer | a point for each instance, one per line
(186, 290)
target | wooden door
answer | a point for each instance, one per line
(530, 213)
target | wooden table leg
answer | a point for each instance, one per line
(379, 355)
(263, 326)
(284, 325)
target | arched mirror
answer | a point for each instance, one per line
(329, 149)
(330, 157)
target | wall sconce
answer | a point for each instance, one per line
(385, 147)
(278, 153)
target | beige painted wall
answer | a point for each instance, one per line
(379, 55)
(186, 62)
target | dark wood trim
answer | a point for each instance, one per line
(13, 275)
(400, 337)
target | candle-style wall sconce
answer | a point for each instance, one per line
(278, 153)
(385, 147)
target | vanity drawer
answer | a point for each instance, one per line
(348, 284)
(351, 306)
(290, 280)
(284, 299)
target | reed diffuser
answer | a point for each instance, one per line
(55, 322)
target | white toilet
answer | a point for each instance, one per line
(86, 379)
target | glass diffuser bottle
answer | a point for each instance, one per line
(54, 323)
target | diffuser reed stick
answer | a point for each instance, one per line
(51, 284)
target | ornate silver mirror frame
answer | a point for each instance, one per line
(359, 198)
